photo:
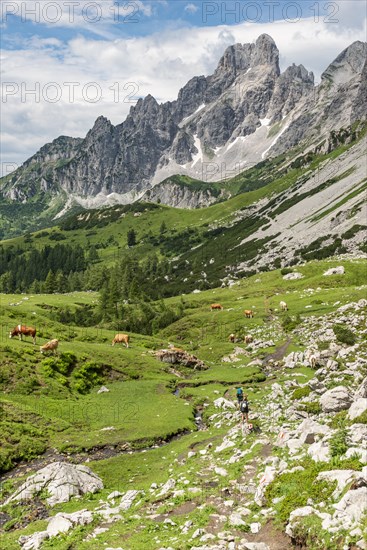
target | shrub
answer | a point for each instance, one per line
(63, 364)
(339, 420)
(361, 419)
(313, 407)
(299, 393)
(286, 270)
(338, 442)
(290, 323)
(87, 376)
(297, 488)
(344, 335)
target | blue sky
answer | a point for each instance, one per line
(116, 51)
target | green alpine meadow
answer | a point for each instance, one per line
(183, 285)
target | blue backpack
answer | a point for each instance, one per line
(239, 393)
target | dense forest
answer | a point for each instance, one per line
(126, 290)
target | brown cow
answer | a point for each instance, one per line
(232, 338)
(216, 306)
(52, 345)
(21, 330)
(121, 339)
(248, 339)
(249, 313)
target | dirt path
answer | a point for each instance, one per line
(279, 353)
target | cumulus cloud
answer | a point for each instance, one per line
(97, 16)
(89, 77)
(191, 8)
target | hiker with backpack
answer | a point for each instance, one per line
(239, 394)
(244, 408)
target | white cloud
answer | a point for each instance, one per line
(97, 16)
(159, 64)
(191, 8)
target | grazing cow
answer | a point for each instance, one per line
(121, 339)
(283, 306)
(314, 360)
(216, 306)
(52, 345)
(248, 313)
(232, 338)
(248, 339)
(22, 330)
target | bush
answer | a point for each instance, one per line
(88, 376)
(344, 335)
(299, 393)
(63, 364)
(339, 420)
(286, 270)
(290, 323)
(338, 442)
(361, 419)
(313, 407)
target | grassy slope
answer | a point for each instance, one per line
(270, 177)
(145, 407)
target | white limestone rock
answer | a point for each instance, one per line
(357, 408)
(336, 399)
(319, 451)
(61, 480)
(340, 270)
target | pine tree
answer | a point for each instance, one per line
(50, 283)
(131, 238)
(93, 255)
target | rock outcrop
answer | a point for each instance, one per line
(61, 480)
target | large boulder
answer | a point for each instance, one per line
(61, 523)
(33, 542)
(353, 505)
(335, 271)
(61, 480)
(357, 408)
(319, 452)
(342, 477)
(309, 428)
(295, 515)
(336, 399)
(293, 276)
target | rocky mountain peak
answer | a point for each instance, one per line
(235, 59)
(266, 52)
(348, 64)
(101, 126)
(240, 57)
(231, 117)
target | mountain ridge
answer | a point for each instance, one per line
(244, 112)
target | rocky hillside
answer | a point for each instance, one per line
(295, 478)
(219, 125)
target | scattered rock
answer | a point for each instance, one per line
(103, 389)
(293, 276)
(335, 271)
(222, 403)
(256, 546)
(167, 487)
(33, 542)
